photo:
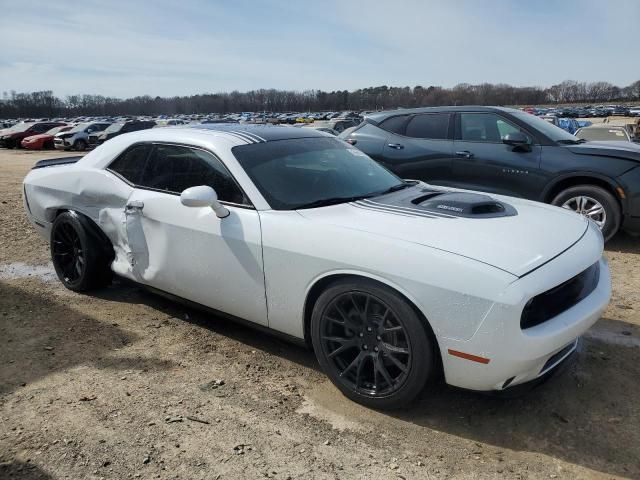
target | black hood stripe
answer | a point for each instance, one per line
(379, 210)
(415, 211)
(395, 211)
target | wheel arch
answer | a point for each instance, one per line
(92, 229)
(320, 284)
(579, 178)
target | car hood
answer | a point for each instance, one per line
(39, 136)
(531, 235)
(617, 149)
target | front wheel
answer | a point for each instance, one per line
(80, 145)
(595, 203)
(77, 255)
(371, 343)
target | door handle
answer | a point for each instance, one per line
(465, 154)
(135, 205)
(395, 146)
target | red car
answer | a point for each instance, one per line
(43, 140)
(11, 138)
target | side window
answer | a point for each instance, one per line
(174, 168)
(130, 164)
(505, 128)
(433, 125)
(485, 127)
(394, 124)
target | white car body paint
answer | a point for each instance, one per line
(470, 278)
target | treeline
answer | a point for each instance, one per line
(45, 104)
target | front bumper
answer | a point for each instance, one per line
(61, 144)
(513, 355)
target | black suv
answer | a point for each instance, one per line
(119, 128)
(509, 152)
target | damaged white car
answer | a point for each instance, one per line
(390, 281)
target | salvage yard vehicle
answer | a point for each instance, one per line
(605, 133)
(43, 140)
(78, 137)
(291, 229)
(509, 152)
(119, 128)
(12, 137)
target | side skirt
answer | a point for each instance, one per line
(203, 308)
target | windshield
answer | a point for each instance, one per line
(556, 134)
(114, 127)
(305, 172)
(54, 130)
(21, 127)
(602, 134)
(79, 128)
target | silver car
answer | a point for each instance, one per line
(78, 138)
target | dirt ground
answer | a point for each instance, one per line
(123, 384)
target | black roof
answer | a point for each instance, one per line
(262, 132)
(379, 116)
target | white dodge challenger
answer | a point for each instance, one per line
(391, 281)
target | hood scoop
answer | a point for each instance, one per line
(462, 204)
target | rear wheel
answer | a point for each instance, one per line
(595, 203)
(77, 254)
(371, 343)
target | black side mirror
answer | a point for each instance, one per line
(516, 140)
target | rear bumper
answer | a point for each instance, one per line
(504, 354)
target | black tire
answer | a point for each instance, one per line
(376, 344)
(78, 253)
(611, 223)
(80, 145)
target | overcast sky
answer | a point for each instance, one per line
(178, 47)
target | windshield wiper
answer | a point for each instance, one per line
(400, 186)
(325, 202)
(572, 142)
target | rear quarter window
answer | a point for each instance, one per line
(394, 124)
(131, 163)
(431, 126)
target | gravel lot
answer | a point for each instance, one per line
(124, 384)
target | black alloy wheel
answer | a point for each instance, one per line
(371, 344)
(68, 253)
(366, 344)
(79, 253)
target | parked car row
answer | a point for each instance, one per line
(62, 136)
(587, 111)
(83, 133)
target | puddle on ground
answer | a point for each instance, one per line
(325, 402)
(16, 270)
